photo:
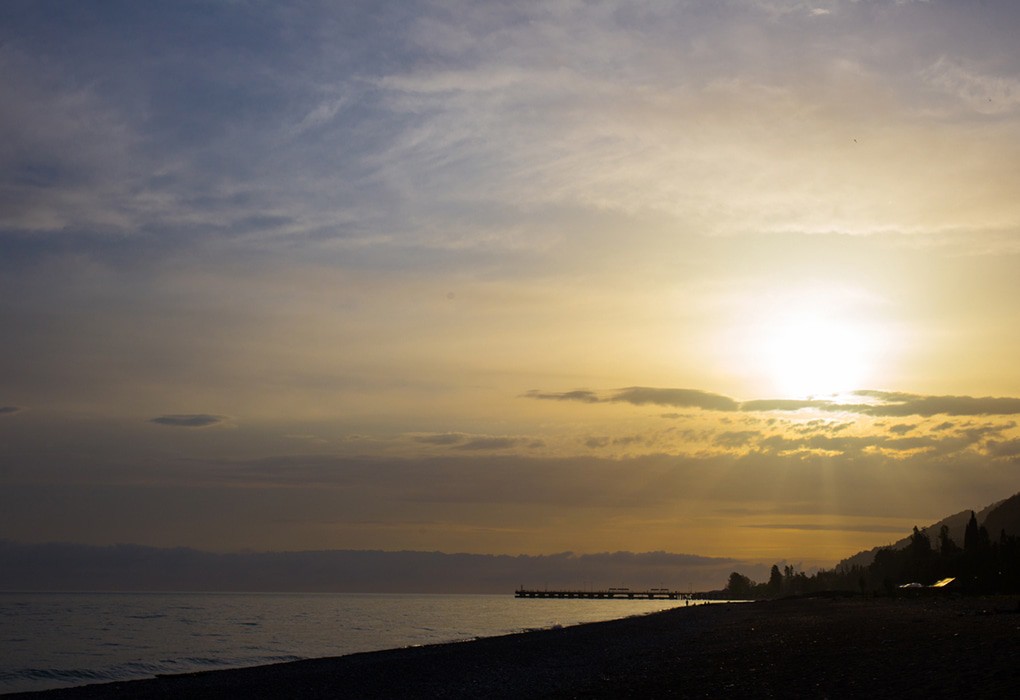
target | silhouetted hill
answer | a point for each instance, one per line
(995, 517)
(1004, 516)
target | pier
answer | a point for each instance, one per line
(605, 594)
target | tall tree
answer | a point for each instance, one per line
(971, 540)
(947, 547)
(775, 585)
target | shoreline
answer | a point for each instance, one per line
(807, 647)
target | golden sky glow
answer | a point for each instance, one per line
(726, 278)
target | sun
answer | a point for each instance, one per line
(807, 354)
(808, 341)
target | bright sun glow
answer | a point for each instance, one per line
(814, 343)
(809, 355)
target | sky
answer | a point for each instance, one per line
(735, 278)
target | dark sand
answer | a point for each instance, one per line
(804, 648)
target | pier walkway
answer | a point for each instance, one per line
(606, 594)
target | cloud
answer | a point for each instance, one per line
(799, 427)
(876, 403)
(8, 410)
(640, 396)
(440, 438)
(489, 443)
(421, 106)
(188, 420)
(1006, 448)
(463, 441)
(902, 404)
(816, 527)
(980, 92)
(322, 114)
(391, 490)
(581, 395)
(936, 444)
(766, 405)
(738, 438)
(780, 8)
(679, 398)
(899, 404)
(266, 210)
(52, 567)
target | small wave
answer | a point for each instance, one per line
(204, 661)
(52, 677)
(136, 668)
(66, 675)
(146, 616)
(280, 658)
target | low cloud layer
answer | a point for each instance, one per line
(62, 567)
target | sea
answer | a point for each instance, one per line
(56, 640)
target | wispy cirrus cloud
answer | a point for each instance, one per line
(982, 92)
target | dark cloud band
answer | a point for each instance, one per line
(188, 420)
(643, 395)
(874, 403)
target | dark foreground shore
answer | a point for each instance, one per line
(806, 648)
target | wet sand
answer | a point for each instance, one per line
(805, 648)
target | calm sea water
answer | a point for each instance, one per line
(52, 640)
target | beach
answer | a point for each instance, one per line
(818, 647)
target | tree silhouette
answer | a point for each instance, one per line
(981, 566)
(739, 586)
(775, 584)
(919, 556)
(947, 548)
(970, 535)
